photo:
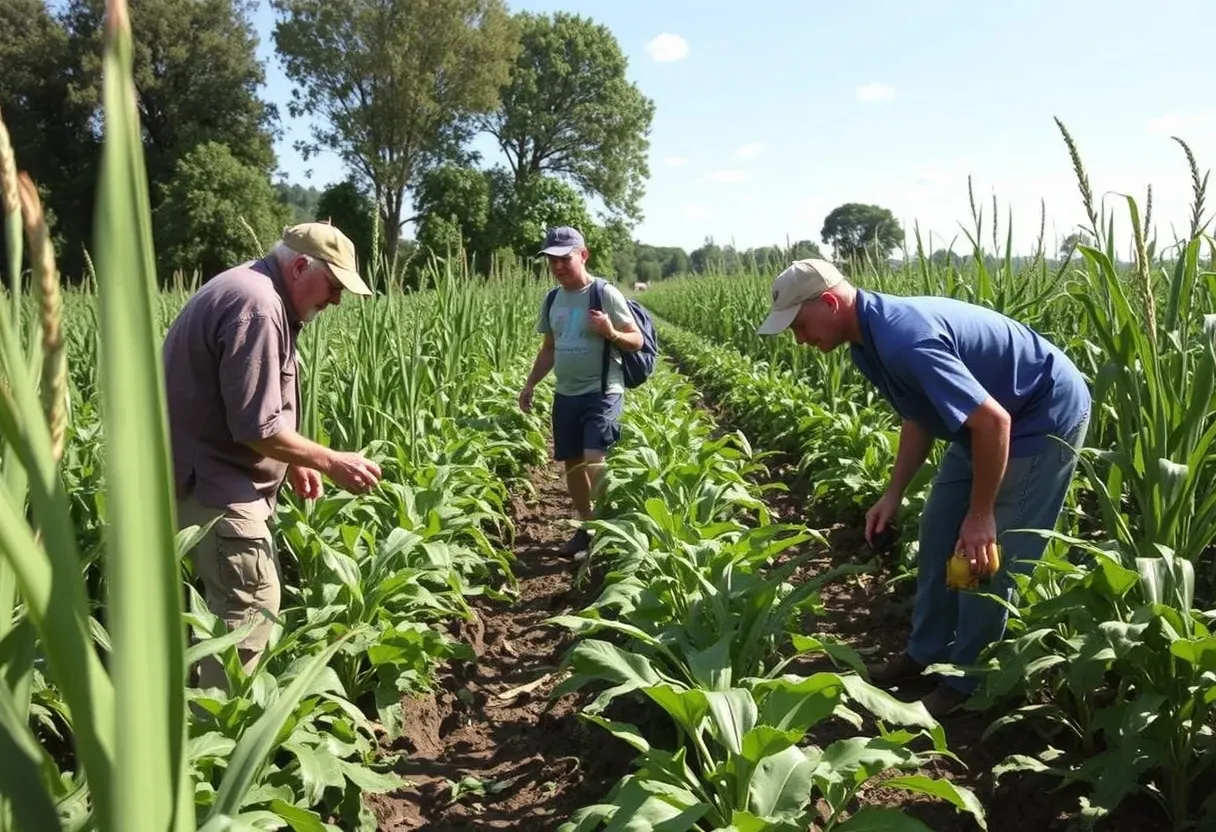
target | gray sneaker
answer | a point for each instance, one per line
(577, 545)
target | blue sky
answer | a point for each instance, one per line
(771, 113)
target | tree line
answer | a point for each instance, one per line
(399, 90)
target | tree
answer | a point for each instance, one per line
(206, 204)
(805, 250)
(48, 129)
(345, 205)
(394, 84)
(196, 77)
(1069, 246)
(854, 229)
(453, 206)
(303, 200)
(521, 216)
(569, 111)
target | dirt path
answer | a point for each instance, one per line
(523, 762)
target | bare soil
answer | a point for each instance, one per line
(522, 760)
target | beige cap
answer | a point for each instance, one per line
(325, 242)
(804, 280)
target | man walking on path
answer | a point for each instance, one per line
(233, 402)
(997, 392)
(586, 404)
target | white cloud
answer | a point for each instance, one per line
(728, 176)
(1186, 126)
(750, 151)
(667, 48)
(697, 211)
(675, 161)
(875, 92)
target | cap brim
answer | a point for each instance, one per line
(778, 320)
(351, 281)
(557, 251)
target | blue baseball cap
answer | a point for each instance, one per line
(561, 241)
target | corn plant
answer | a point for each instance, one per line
(703, 619)
(128, 718)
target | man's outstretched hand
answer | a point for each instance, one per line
(306, 482)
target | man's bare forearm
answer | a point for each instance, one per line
(294, 449)
(540, 367)
(630, 341)
(914, 445)
(989, 456)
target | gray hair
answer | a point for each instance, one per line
(281, 252)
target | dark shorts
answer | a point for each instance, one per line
(591, 421)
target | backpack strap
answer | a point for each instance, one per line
(597, 303)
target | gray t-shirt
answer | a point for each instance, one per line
(230, 378)
(578, 350)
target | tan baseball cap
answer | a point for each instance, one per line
(325, 242)
(804, 280)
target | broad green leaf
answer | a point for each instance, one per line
(734, 714)
(259, 739)
(639, 811)
(1201, 652)
(961, 797)
(300, 820)
(857, 759)
(879, 819)
(687, 707)
(885, 706)
(782, 784)
(798, 704)
(763, 740)
(368, 781)
(622, 731)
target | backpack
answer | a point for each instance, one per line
(637, 366)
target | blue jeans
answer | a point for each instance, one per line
(955, 626)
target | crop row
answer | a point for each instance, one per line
(372, 585)
(1112, 636)
(700, 619)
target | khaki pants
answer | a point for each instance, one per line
(239, 567)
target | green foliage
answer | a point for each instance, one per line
(393, 84)
(199, 223)
(345, 205)
(570, 111)
(196, 76)
(481, 213)
(453, 204)
(855, 229)
(303, 200)
(525, 214)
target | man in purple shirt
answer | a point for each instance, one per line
(1000, 395)
(233, 404)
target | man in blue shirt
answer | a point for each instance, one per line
(999, 394)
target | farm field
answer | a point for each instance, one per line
(437, 665)
(440, 667)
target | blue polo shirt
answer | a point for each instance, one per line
(935, 359)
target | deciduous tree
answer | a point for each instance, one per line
(854, 229)
(569, 111)
(393, 85)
